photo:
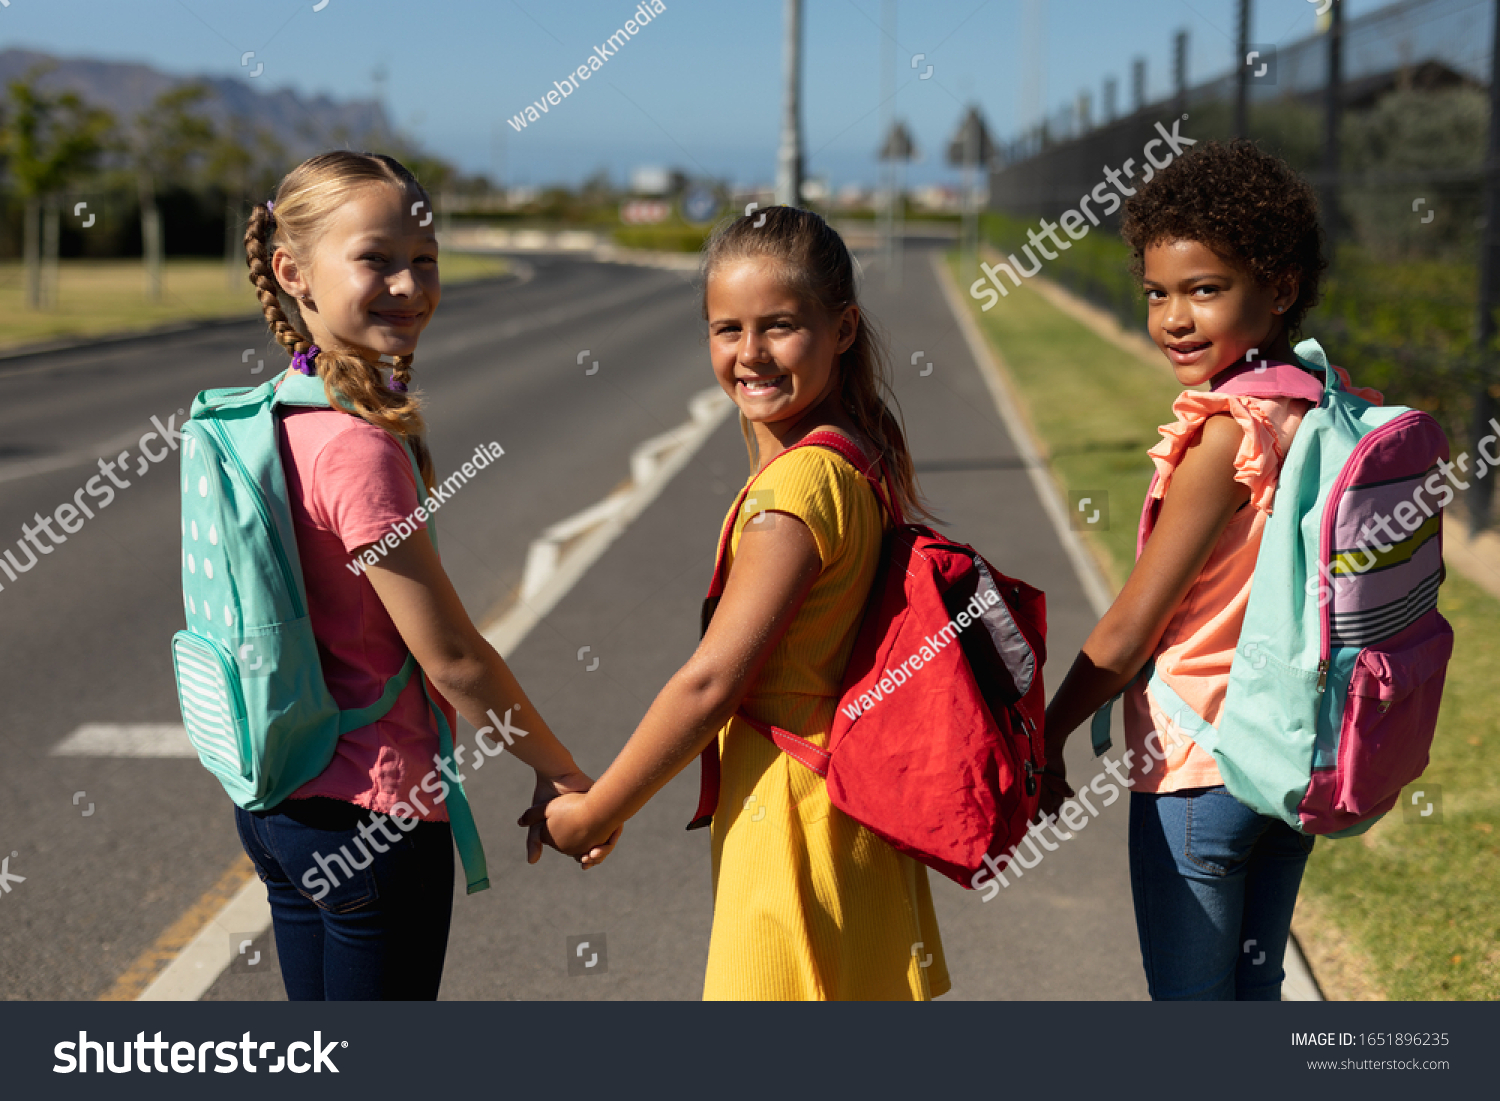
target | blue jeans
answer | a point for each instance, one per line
(1215, 884)
(360, 915)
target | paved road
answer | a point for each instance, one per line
(84, 634)
(88, 627)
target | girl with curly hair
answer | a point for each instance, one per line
(1227, 246)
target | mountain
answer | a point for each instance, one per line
(303, 124)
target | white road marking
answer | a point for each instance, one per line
(126, 740)
(550, 573)
(1095, 587)
(186, 978)
(17, 469)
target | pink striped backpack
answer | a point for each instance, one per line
(1335, 685)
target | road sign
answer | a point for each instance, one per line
(700, 206)
(972, 144)
(898, 144)
(645, 212)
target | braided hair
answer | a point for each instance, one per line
(308, 195)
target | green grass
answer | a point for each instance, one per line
(1417, 902)
(669, 237)
(1419, 899)
(99, 297)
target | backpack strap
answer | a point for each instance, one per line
(360, 717)
(799, 749)
(460, 815)
(1099, 725)
(834, 441)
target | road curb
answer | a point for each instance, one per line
(12, 357)
(565, 551)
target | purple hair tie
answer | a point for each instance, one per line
(302, 361)
(397, 385)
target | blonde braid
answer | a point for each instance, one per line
(401, 373)
(263, 278)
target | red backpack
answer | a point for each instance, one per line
(937, 738)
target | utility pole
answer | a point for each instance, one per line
(1482, 491)
(1138, 83)
(1332, 118)
(1242, 76)
(789, 159)
(379, 76)
(888, 102)
(897, 151)
(971, 149)
(1034, 72)
(1180, 69)
(971, 138)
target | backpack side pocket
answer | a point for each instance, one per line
(213, 708)
(1390, 715)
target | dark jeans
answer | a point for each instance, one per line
(1215, 884)
(359, 916)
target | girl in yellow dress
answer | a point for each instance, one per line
(808, 904)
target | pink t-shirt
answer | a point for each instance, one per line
(349, 482)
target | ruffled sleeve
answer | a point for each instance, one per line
(1257, 463)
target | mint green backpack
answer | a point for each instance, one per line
(1335, 686)
(248, 673)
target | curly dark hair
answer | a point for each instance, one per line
(1247, 205)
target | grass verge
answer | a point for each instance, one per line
(105, 297)
(1407, 909)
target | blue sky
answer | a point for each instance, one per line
(699, 87)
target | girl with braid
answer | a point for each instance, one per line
(346, 274)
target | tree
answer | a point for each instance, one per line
(242, 162)
(1422, 147)
(49, 142)
(172, 142)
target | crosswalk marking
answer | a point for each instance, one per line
(126, 740)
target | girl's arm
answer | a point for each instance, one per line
(464, 668)
(1200, 501)
(773, 571)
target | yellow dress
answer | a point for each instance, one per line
(808, 904)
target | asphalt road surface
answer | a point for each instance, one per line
(84, 638)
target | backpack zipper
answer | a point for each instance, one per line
(1330, 512)
(286, 569)
(1030, 762)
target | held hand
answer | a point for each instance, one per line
(555, 819)
(1055, 790)
(563, 822)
